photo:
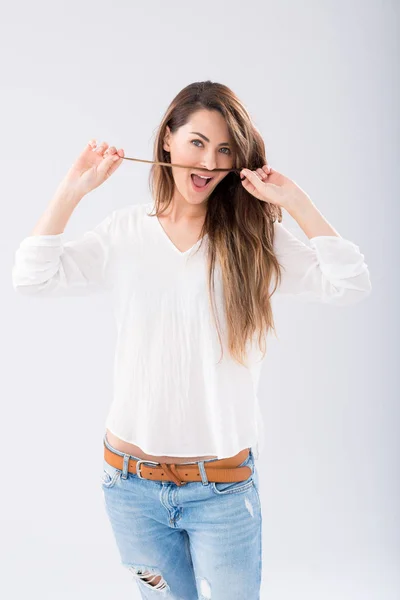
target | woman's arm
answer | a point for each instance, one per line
(45, 265)
(58, 212)
(331, 270)
(307, 215)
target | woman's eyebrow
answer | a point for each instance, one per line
(207, 140)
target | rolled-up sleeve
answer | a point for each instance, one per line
(331, 270)
(46, 265)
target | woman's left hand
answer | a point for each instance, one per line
(269, 185)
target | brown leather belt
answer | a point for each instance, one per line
(220, 470)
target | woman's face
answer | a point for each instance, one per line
(188, 146)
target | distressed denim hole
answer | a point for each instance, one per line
(150, 578)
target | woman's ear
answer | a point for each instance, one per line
(166, 139)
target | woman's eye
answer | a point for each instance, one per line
(200, 142)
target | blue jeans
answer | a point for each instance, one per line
(201, 540)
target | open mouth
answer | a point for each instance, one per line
(199, 182)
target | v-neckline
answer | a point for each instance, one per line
(171, 243)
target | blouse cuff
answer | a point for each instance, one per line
(338, 258)
(43, 240)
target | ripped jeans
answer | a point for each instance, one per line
(198, 541)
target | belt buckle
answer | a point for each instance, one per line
(138, 462)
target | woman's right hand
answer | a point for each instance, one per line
(93, 166)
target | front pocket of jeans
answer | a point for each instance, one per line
(110, 475)
(234, 487)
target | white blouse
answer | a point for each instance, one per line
(171, 395)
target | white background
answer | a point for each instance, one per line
(321, 82)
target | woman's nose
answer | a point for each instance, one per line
(209, 164)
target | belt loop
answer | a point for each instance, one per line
(203, 473)
(252, 462)
(125, 466)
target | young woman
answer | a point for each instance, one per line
(192, 284)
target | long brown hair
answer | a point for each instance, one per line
(240, 227)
